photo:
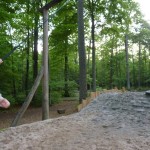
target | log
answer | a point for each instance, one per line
(28, 99)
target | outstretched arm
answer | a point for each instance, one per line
(3, 101)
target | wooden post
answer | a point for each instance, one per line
(28, 99)
(45, 102)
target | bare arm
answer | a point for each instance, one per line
(3, 101)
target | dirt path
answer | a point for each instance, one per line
(35, 114)
(113, 121)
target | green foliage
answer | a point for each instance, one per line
(113, 19)
(72, 87)
(55, 97)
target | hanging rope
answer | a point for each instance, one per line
(40, 26)
(8, 54)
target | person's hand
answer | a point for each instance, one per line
(1, 61)
(4, 102)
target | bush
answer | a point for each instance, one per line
(55, 97)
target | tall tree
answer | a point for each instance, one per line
(27, 52)
(36, 30)
(139, 67)
(127, 62)
(66, 70)
(82, 54)
(92, 11)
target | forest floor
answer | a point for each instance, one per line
(113, 121)
(34, 114)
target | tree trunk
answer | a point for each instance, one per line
(82, 54)
(27, 65)
(91, 5)
(13, 71)
(117, 67)
(35, 48)
(27, 57)
(66, 71)
(111, 69)
(13, 80)
(127, 62)
(133, 72)
(149, 67)
(144, 69)
(35, 52)
(139, 68)
(88, 57)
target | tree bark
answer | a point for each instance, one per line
(35, 52)
(28, 99)
(45, 102)
(82, 54)
(93, 52)
(27, 65)
(111, 69)
(27, 56)
(139, 68)
(13, 81)
(127, 62)
(133, 72)
(66, 71)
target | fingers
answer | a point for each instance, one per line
(1, 61)
(4, 103)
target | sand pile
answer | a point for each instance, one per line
(113, 121)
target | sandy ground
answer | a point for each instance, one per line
(34, 114)
(113, 121)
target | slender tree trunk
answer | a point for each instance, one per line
(133, 72)
(35, 52)
(27, 56)
(111, 68)
(66, 71)
(139, 68)
(82, 54)
(91, 7)
(88, 57)
(93, 47)
(13, 71)
(127, 63)
(35, 47)
(149, 67)
(27, 65)
(88, 65)
(120, 72)
(13, 80)
(117, 67)
(144, 69)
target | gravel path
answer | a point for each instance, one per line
(113, 121)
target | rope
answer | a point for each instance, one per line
(8, 54)
(40, 26)
(52, 15)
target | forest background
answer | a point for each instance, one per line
(117, 43)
